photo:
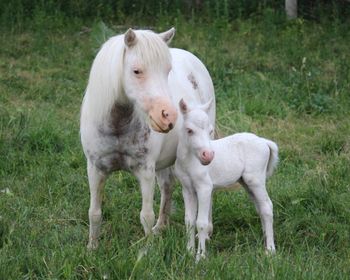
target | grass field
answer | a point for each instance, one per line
(287, 81)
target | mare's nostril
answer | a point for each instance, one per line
(171, 126)
(165, 114)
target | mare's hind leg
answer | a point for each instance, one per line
(166, 181)
(96, 183)
(256, 188)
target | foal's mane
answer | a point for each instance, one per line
(105, 81)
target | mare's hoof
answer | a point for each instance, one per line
(93, 244)
(157, 229)
(191, 250)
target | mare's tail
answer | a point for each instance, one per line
(273, 160)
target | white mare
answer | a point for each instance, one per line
(203, 165)
(129, 120)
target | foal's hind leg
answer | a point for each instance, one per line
(96, 183)
(256, 188)
(166, 181)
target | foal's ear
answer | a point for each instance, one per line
(205, 107)
(183, 106)
(167, 36)
(130, 38)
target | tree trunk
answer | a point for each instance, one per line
(291, 8)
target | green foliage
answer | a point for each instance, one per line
(100, 34)
(270, 78)
(19, 14)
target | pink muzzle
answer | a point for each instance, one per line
(206, 156)
(163, 115)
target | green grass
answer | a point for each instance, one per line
(287, 81)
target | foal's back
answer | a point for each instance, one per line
(235, 155)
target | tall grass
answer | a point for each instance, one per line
(288, 81)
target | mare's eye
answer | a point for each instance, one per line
(189, 131)
(137, 72)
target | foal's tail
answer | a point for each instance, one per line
(273, 160)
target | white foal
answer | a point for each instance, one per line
(203, 165)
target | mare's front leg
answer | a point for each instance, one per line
(96, 183)
(146, 178)
(204, 194)
(166, 181)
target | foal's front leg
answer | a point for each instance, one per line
(204, 194)
(146, 178)
(191, 204)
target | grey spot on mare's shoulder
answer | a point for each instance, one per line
(123, 141)
(192, 80)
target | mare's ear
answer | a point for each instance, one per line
(167, 36)
(183, 106)
(205, 107)
(130, 38)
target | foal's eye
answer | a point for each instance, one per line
(189, 131)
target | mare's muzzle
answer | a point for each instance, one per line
(163, 115)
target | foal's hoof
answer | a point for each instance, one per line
(270, 252)
(200, 257)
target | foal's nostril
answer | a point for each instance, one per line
(208, 155)
(171, 126)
